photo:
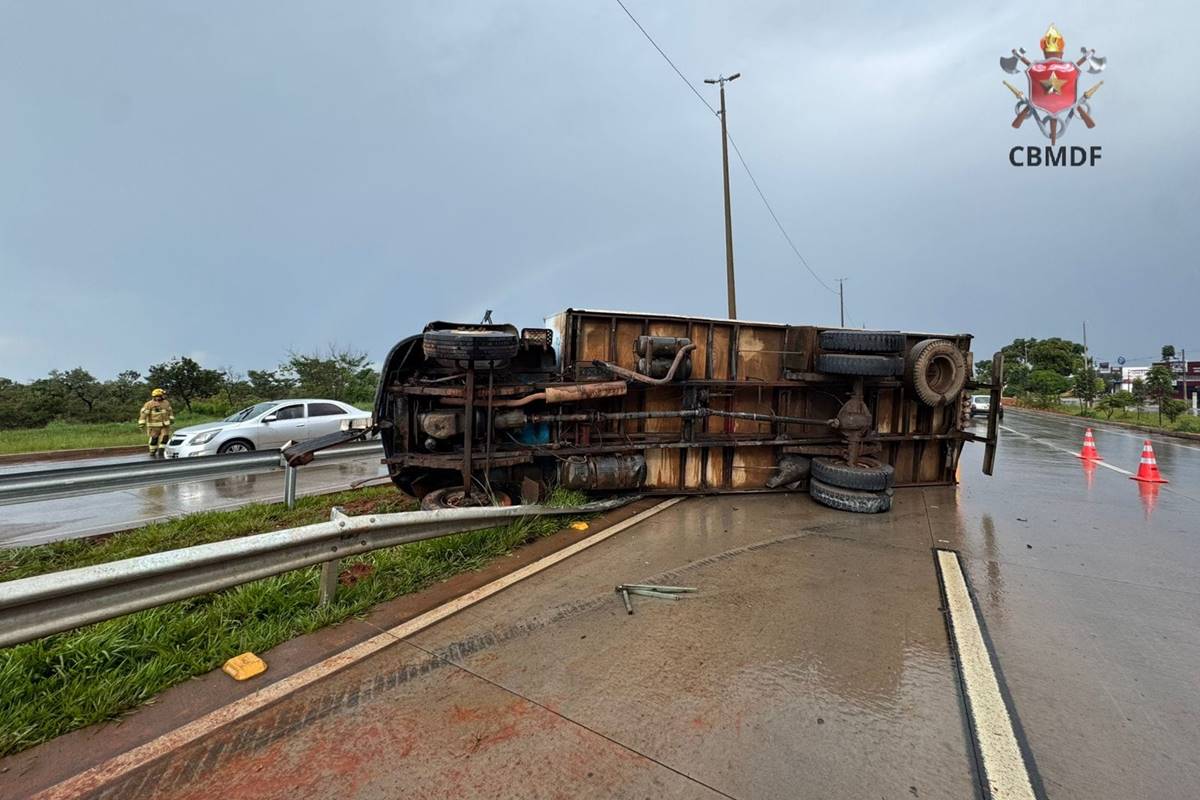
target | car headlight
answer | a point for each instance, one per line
(204, 438)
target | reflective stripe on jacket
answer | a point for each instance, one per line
(156, 414)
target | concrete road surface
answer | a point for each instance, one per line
(90, 515)
(814, 662)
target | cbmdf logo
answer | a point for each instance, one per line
(1053, 98)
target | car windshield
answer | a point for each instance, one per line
(248, 413)
(981, 398)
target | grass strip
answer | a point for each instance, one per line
(83, 435)
(71, 680)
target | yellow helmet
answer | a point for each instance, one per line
(157, 393)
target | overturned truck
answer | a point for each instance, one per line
(607, 401)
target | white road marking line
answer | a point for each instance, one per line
(1104, 464)
(92, 779)
(1004, 767)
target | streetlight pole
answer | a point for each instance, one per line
(732, 292)
(842, 300)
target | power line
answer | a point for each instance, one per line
(667, 58)
(778, 224)
(736, 150)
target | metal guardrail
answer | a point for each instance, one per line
(48, 484)
(31, 608)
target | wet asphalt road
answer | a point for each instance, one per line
(90, 515)
(814, 662)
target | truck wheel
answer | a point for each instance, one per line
(937, 371)
(853, 500)
(482, 347)
(863, 366)
(862, 341)
(853, 476)
(453, 497)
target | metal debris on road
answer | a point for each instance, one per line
(625, 597)
(650, 590)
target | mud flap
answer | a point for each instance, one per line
(300, 454)
(993, 420)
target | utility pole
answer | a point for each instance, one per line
(842, 299)
(732, 292)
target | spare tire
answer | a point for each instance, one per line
(864, 366)
(482, 347)
(853, 500)
(862, 341)
(937, 371)
(853, 476)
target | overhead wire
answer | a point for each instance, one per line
(736, 149)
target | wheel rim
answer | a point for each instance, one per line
(457, 498)
(237, 447)
(940, 373)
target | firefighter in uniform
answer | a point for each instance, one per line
(156, 418)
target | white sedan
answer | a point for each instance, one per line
(265, 426)
(981, 404)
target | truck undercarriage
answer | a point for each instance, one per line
(607, 401)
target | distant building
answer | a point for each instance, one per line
(1130, 374)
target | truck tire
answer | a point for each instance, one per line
(852, 500)
(853, 476)
(453, 497)
(859, 365)
(483, 347)
(862, 341)
(936, 371)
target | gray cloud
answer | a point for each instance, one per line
(241, 179)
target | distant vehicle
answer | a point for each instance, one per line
(264, 426)
(981, 404)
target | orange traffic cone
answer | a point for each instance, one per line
(1148, 468)
(1089, 447)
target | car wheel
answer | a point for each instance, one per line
(862, 341)
(235, 446)
(860, 366)
(868, 477)
(454, 497)
(852, 500)
(936, 371)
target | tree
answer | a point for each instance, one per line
(185, 379)
(22, 406)
(1172, 407)
(339, 375)
(1048, 386)
(1087, 385)
(1160, 385)
(127, 387)
(1138, 394)
(235, 388)
(983, 371)
(266, 384)
(1168, 352)
(1016, 378)
(78, 384)
(1117, 401)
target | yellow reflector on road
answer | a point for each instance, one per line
(247, 665)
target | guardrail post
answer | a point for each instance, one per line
(289, 486)
(329, 582)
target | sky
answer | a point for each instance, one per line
(234, 181)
